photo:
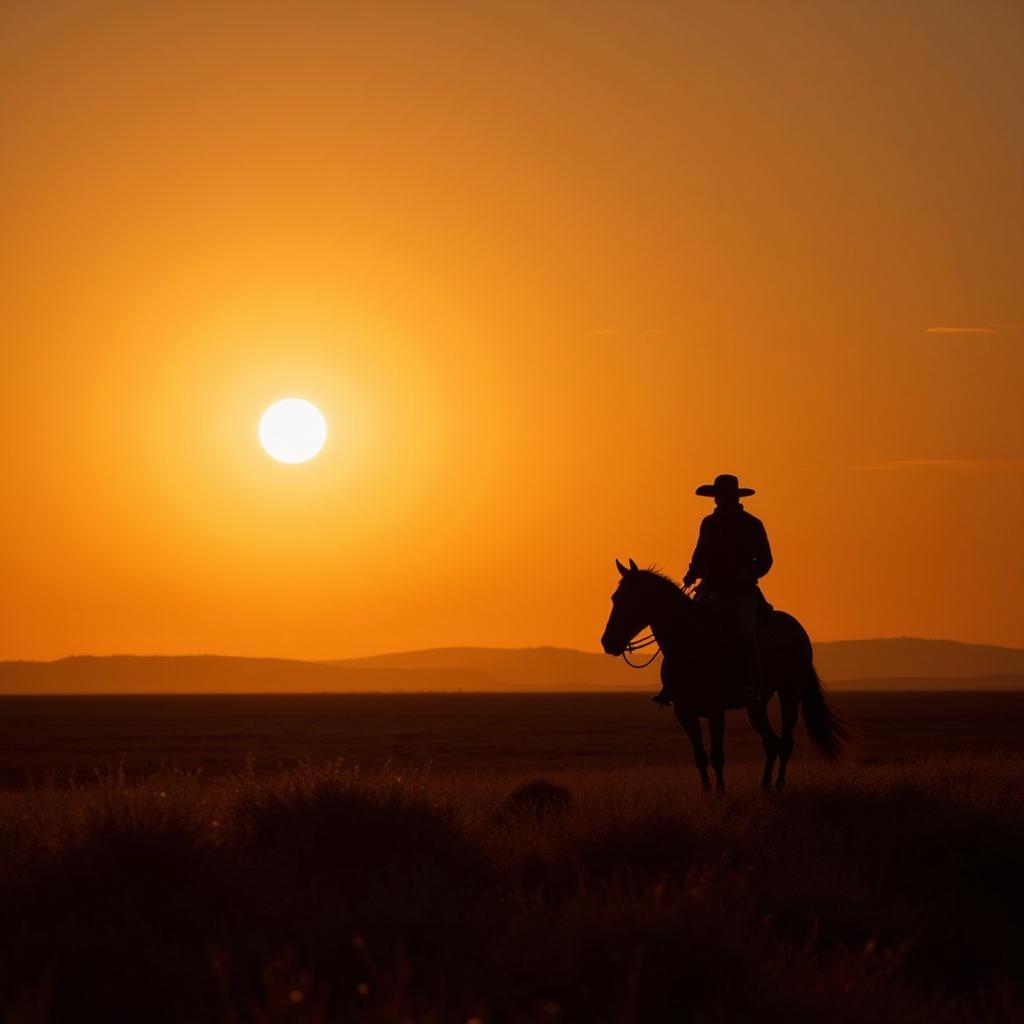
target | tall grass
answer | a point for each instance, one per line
(322, 894)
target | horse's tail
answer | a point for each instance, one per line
(828, 732)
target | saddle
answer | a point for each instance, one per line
(711, 678)
(768, 636)
(766, 627)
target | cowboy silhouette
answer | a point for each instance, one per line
(732, 554)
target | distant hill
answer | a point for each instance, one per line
(848, 664)
(838, 662)
(214, 674)
(533, 668)
(906, 657)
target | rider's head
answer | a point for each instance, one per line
(725, 490)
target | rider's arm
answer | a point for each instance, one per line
(698, 563)
(762, 551)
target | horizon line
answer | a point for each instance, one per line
(334, 662)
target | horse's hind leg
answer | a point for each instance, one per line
(691, 723)
(790, 713)
(717, 723)
(758, 715)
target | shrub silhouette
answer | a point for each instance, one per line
(538, 798)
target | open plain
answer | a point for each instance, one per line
(520, 858)
(53, 738)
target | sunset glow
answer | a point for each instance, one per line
(561, 264)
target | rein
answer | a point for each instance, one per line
(646, 641)
(637, 645)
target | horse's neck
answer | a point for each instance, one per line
(670, 623)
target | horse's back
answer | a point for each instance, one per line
(780, 631)
(716, 683)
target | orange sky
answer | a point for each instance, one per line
(545, 268)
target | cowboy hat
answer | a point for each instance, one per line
(726, 485)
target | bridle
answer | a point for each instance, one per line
(646, 641)
(638, 645)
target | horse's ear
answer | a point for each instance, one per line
(633, 566)
(622, 569)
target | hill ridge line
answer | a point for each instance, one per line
(886, 663)
(359, 660)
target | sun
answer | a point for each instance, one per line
(292, 430)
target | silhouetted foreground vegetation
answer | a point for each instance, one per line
(886, 894)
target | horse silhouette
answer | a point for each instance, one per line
(704, 682)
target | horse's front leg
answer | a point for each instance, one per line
(691, 724)
(717, 724)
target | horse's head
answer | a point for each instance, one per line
(641, 593)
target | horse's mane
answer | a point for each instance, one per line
(652, 574)
(653, 570)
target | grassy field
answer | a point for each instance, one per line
(319, 893)
(51, 737)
